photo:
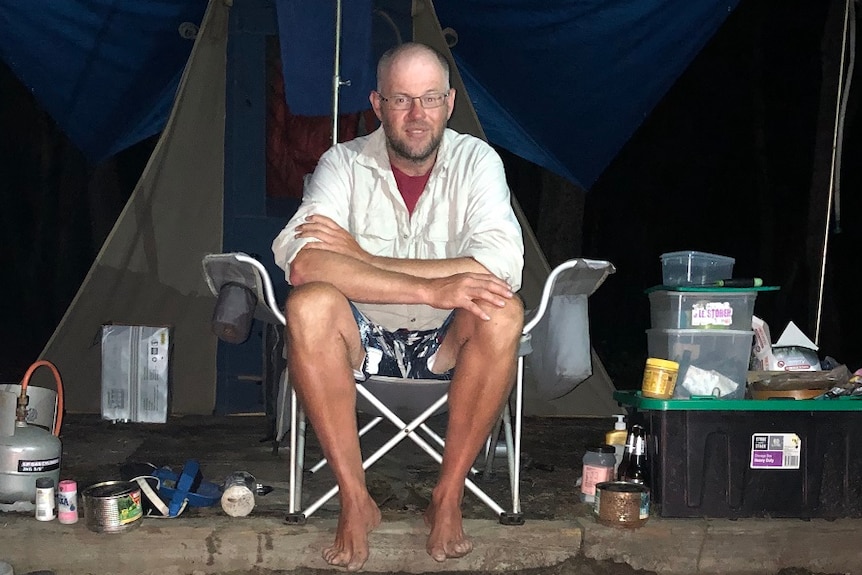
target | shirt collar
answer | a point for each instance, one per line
(375, 156)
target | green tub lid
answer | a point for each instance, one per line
(709, 403)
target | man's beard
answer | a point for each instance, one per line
(401, 149)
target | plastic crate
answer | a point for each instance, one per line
(713, 458)
(724, 351)
(694, 268)
(702, 309)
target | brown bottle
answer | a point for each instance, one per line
(634, 467)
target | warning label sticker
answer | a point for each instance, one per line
(775, 451)
(38, 465)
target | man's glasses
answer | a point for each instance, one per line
(404, 102)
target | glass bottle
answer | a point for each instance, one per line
(635, 468)
(627, 452)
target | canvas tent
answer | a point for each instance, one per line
(148, 271)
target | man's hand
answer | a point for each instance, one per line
(331, 237)
(465, 289)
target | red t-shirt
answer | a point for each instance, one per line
(411, 187)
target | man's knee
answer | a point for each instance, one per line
(505, 325)
(315, 304)
(509, 319)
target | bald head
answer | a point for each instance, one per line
(409, 51)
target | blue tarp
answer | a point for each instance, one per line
(307, 34)
(564, 84)
(105, 70)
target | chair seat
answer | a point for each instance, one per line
(406, 397)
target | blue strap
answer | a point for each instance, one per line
(185, 484)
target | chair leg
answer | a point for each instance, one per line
(491, 445)
(513, 439)
(515, 517)
(297, 460)
(407, 431)
(280, 409)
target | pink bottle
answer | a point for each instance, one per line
(67, 501)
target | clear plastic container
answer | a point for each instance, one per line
(694, 268)
(701, 309)
(712, 353)
(599, 462)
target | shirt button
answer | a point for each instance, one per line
(405, 236)
(412, 320)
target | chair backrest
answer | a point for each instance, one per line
(240, 268)
(559, 328)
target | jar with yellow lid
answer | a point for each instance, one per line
(659, 378)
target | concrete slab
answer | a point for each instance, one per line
(226, 544)
(722, 546)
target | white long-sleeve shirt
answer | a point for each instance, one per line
(465, 211)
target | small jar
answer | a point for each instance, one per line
(237, 498)
(46, 509)
(659, 378)
(599, 461)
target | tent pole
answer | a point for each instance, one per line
(336, 76)
(832, 177)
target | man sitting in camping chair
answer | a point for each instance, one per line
(404, 258)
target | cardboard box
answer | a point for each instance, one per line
(135, 373)
(792, 352)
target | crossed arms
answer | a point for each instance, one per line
(337, 258)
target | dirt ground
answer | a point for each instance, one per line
(95, 450)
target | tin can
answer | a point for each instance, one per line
(622, 504)
(112, 506)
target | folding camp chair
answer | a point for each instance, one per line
(406, 403)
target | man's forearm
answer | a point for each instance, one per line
(358, 280)
(363, 282)
(428, 268)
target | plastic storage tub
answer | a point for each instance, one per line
(702, 309)
(752, 458)
(694, 268)
(718, 351)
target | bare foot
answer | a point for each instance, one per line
(447, 539)
(356, 520)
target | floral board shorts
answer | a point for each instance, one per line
(400, 353)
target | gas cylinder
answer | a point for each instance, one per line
(28, 452)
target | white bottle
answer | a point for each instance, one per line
(617, 438)
(46, 504)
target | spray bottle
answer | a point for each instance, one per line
(617, 438)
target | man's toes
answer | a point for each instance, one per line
(451, 550)
(463, 547)
(337, 557)
(438, 554)
(357, 562)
